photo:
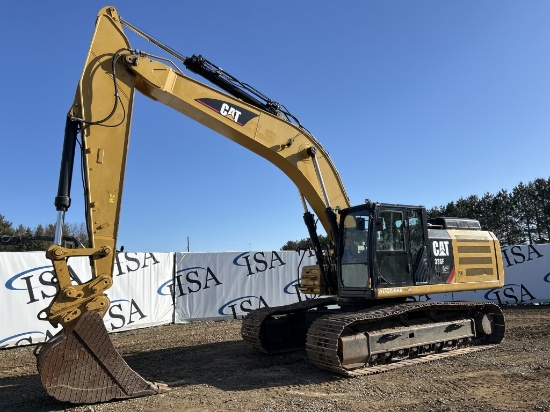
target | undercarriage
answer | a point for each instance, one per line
(374, 339)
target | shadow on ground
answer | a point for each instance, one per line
(229, 366)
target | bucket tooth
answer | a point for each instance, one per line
(83, 366)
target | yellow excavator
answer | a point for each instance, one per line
(378, 257)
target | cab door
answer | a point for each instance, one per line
(401, 256)
(392, 256)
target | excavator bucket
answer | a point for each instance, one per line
(83, 366)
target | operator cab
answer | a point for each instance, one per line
(381, 245)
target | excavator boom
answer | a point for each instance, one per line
(80, 364)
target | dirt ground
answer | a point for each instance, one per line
(209, 368)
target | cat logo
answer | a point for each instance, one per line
(239, 115)
(440, 248)
(230, 112)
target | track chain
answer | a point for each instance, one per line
(323, 335)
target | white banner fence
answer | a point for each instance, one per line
(151, 289)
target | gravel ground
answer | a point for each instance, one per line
(209, 368)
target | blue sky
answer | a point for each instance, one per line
(417, 102)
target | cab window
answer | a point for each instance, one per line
(354, 250)
(390, 236)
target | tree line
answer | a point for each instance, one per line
(517, 217)
(24, 238)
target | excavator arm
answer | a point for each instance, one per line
(80, 364)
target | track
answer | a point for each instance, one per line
(329, 334)
(324, 337)
(253, 325)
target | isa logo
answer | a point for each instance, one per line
(123, 312)
(259, 262)
(39, 283)
(189, 280)
(510, 294)
(242, 305)
(25, 338)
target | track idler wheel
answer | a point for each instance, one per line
(85, 367)
(484, 323)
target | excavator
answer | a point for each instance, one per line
(378, 259)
